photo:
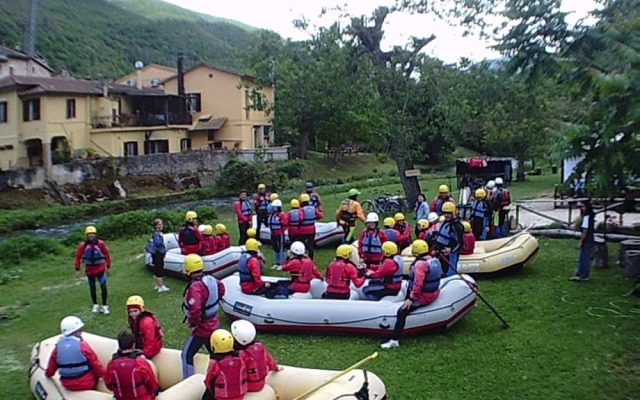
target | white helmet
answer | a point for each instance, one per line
(491, 184)
(243, 331)
(70, 324)
(297, 248)
(276, 203)
(432, 217)
(499, 181)
(201, 228)
(372, 217)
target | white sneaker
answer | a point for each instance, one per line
(163, 288)
(277, 267)
(95, 308)
(391, 343)
(105, 310)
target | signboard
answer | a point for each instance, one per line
(411, 173)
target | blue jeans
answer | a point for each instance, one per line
(453, 260)
(584, 260)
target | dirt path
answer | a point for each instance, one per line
(528, 219)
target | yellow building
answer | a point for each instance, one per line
(220, 110)
(148, 76)
(47, 120)
(16, 62)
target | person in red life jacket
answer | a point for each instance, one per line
(73, 358)
(448, 241)
(260, 202)
(423, 289)
(93, 253)
(250, 271)
(189, 236)
(468, 239)
(145, 327)
(340, 273)
(223, 240)
(209, 245)
(242, 209)
(226, 377)
(201, 298)
(301, 268)
(404, 228)
(370, 243)
(480, 214)
(308, 217)
(387, 279)
(129, 375)
(314, 197)
(294, 221)
(254, 354)
(438, 201)
(392, 234)
(278, 222)
(422, 227)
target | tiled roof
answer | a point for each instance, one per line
(8, 52)
(222, 69)
(37, 85)
(211, 123)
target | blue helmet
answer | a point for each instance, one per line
(308, 185)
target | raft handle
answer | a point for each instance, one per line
(384, 326)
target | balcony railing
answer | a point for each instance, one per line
(140, 120)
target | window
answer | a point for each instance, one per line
(71, 108)
(31, 110)
(154, 82)
(3, 112)
(193, 102)
(130, 149)
(185, 144)
(210, 134)
(217, 145)
(156, 146)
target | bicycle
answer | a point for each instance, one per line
(385, 203)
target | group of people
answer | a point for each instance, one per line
(205, 242)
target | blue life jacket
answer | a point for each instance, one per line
(308, 215)
(432, 280)
(447, 236)
(294, 216)
(245, 207)
(274, 221)
(371, 242)
(92, 254)
(391, 234)
(314, 200)
(189, 236)
(478, 209)
(71, 362)
(397, 276)
(439, 205)
(243, 268)
(210, 308)
(264, 202)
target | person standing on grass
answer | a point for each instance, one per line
(586, 243)
(158, 250)
(93, 253)
(314, 197)
(261, 201)
(242, 209)
(294, 221)
(308, 215)
(348, 213)
(421, 210)
(278, 222)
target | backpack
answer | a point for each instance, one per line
(505, 198)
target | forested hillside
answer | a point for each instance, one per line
(103, 38)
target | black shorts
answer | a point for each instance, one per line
(158, 264)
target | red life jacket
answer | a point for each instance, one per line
(123, 376)
(231, 382)
(209, 245)
(136, 328)
(306, 270)
(336, 276)
(257, 363)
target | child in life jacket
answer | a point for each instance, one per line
(209, 244)
(301, 268)
(255, 356)
(129, 375)
(223, 240)
(468, 239)
(226, 377)
(423, 228)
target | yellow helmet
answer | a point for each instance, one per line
(467, 226)
(443, 189)
(262, 186)
(221, 341)
(208, 230)
(398, 217)
(423, 224)
(220, 229)
(193, 263)
(304, 198)
(419, 247)
(252, 245)
(273, 196)
(251, 233)
(441, 218)
(389, 248)
(390, 222)
(90, 230)
(480, 193)
(448, 207)
(295, 203)
(344, 251)
(135, 300)
(190, 216)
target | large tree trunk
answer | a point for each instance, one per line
(411, 186)
(303, 146)
(520, 175)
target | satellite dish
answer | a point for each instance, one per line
(138, 65)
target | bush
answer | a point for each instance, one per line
(237, 175)
(294, 169)
(16, 249)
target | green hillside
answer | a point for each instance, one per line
(103, 38)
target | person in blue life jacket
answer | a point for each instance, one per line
(443, 197)
(480, 213)
(449, 239)
(387, 279)
(314, 197)
(260, 203)
(392, 233)
(293, 229)
(307, 227)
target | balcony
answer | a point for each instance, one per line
(159, 110)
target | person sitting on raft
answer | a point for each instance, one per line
(402, 226)
(301, 268)
(144, 326)
(422, 228)
(250, 269)
(226, 377)
(189, 237)
(209, 245)
(387, 279)
(223, 240)
(254, 354)
(392, 234)
(468, 239)
(340, 273)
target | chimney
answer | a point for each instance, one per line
(139, 78)
(180, 65)
(31, 29)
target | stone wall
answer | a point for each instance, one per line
(201, 162)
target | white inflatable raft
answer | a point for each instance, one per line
(327, 233)
(219, 265)
(310, 313)
(283, 385)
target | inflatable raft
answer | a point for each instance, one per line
(310, 313)
(492, 257)
(327, 233)
(283, 385)
(219, 265)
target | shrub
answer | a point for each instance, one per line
(237, 175)
(16, 249)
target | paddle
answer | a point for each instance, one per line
(338, 375)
